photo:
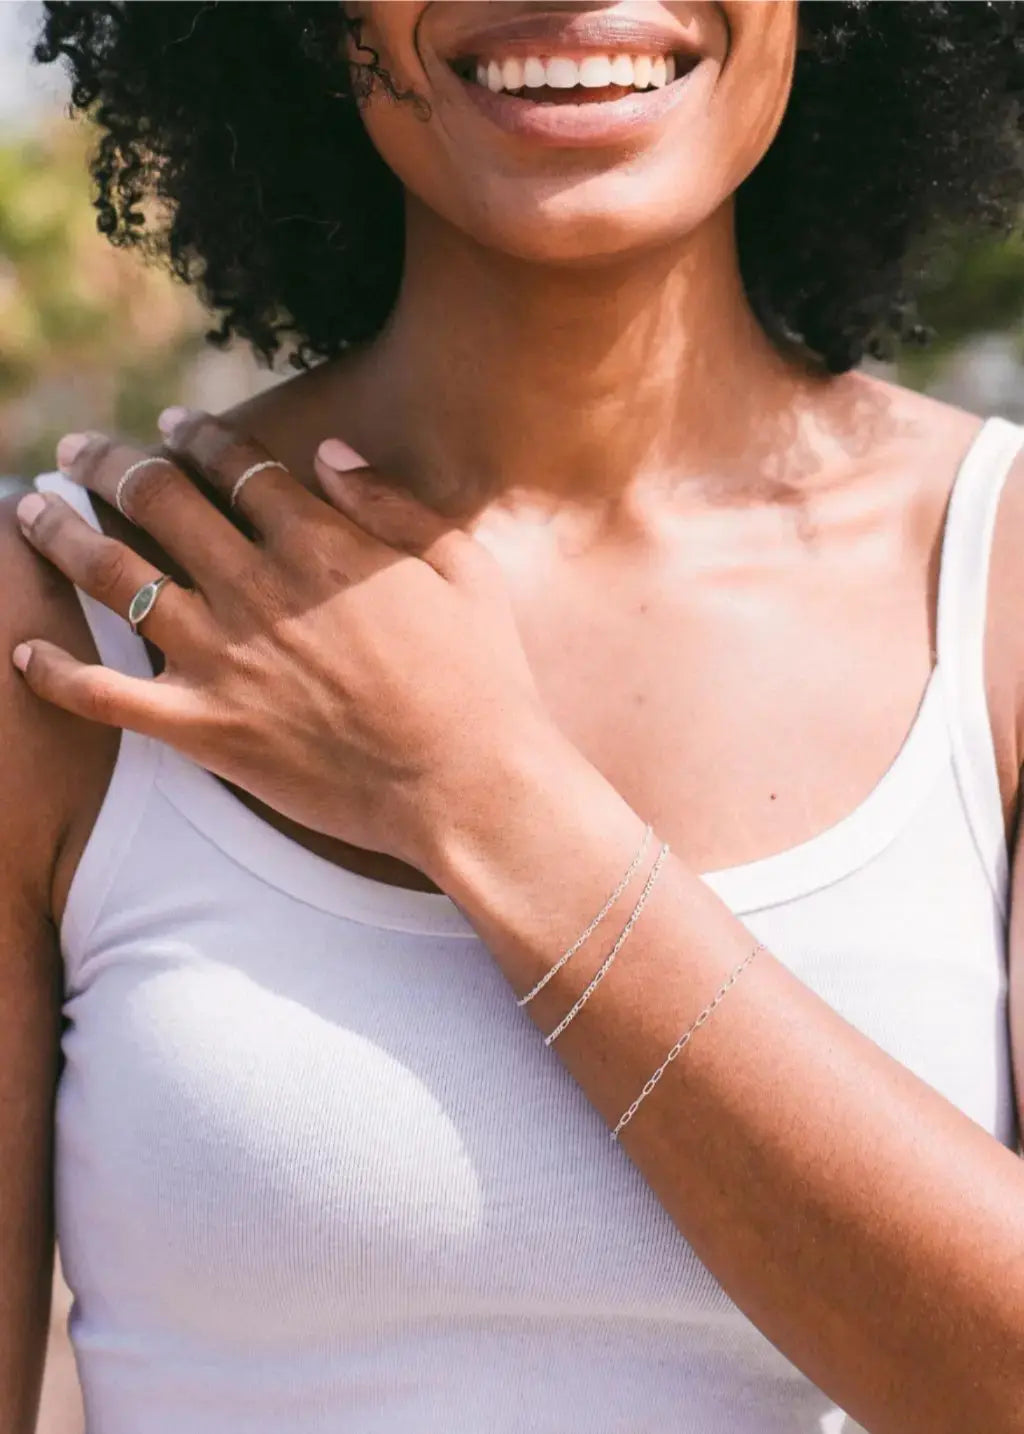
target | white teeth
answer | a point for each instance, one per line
(534, 74)
(562, 74)
(622, 70)
(593, 72)
(512, 74)
(596, 72)
(642, 71)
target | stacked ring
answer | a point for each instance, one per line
(122, 482)
(241, 481)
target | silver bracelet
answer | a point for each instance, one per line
(628, 1115)
(655, 869)
(630, 873)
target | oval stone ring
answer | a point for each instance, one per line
(144, 601)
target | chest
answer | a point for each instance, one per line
(292, 1110)
(748, 683)
(744, 708)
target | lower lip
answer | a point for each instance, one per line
(594, 122)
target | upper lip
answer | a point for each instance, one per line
(562, 33)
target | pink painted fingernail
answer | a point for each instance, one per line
(29, 508)
(170, 418)
(21, 656)
(339, 455)
(68, 449)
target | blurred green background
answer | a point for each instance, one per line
(90, 337)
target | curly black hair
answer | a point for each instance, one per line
(218, 123)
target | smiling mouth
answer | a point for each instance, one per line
(563, 79)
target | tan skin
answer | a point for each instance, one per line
(620, 500)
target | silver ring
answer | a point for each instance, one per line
(144, 601)
(256, 468)
(123, 480)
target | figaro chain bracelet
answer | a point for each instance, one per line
(683, 1040)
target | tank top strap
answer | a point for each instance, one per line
(960, 637)
(132, 778)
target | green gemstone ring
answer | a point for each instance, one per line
(144, 601)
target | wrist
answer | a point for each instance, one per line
(541, 824)
(469, 809)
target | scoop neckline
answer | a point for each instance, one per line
(282, 862)
(779, 877)
(829, 856)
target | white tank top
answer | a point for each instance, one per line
(317, 1172)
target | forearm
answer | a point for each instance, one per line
(872, 1230)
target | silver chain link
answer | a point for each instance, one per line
(682, 1041)
(615, 949)
(630, 873)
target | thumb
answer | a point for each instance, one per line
(386, 513)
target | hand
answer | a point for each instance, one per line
(356, 667)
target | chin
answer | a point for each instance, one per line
(605, 217)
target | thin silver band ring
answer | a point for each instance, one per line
(122, 482)
(144, 601)
(241, 481)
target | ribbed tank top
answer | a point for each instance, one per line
(316, 1171)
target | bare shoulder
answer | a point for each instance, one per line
(1004, 627)
(54, 768)
(291, 417)
(925, 441)
(952, 431)
(896, 424)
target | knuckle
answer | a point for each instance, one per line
(296, 545)
(261, 592)
(92, 456)
(48, 524)
(295, 531)
(150, 487)
(97, 700)
(203, 438)
(105, 569)
(468, 560)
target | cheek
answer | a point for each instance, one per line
(400, 131)
(755, 85)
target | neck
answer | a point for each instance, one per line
(498, 379)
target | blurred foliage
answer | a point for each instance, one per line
(975, 285)
(89, 336)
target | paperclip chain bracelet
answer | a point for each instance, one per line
(630, 873)
(683, 1040)
(599, 976)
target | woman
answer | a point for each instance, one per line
(631, 599)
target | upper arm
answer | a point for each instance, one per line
(48, 765)
(29, 1036)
